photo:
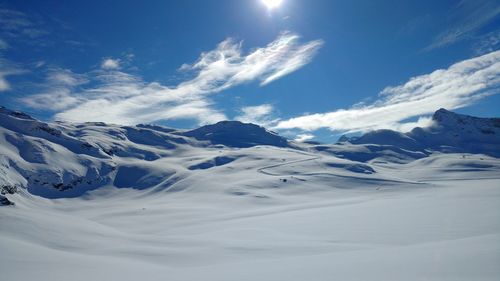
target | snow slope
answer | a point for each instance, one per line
(232, 201)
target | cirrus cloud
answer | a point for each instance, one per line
(7, 68)
(56, 92)
(259, 114)
(466, 19)
(457, 86)
(119, 97)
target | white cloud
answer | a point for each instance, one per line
(225, 66)
(109, 63)
(4, 71)
(65, 77)
(57, 99)
(56, 92)
(39, 64)
(260, 115)
(465, 19)
(422, 122)
(15, 24)
(7, 68)
(129, 56)
(122, 98)
(304, 137)
(3, 45)
(460, 85)
(119, 97)
(487, 43)
(4, 85)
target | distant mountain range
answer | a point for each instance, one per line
(63, 159)
(450, 132)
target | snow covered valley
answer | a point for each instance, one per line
(233, 201)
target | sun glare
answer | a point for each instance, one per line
(272, 4)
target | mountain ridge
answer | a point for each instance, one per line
(62, 159)
(450, 132)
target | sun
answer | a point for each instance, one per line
(272, 4)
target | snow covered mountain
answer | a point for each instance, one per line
(233, 201)
(237, 134)
(450, 132)
(65, 160)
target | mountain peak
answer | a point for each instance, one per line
(16, 114)
(442, 115)
(237, 134)
(451, 132)
(451, 119)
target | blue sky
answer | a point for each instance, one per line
(305, 68)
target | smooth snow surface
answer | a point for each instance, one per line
(105, 202)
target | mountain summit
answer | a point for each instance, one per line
(450, 132)
(237, 134)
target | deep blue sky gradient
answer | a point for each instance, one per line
(368, 45)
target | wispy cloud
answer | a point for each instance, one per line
(110, 63)
(38, 30)
(465, 19)
(260, 115)
(226, 66)
(56, 92)
(65, 77)
(487, 43)
(7, 68)
(304, 137)
(460, 85)
(3, 45)
(4, 85)
(118, 97)
(15, 24)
